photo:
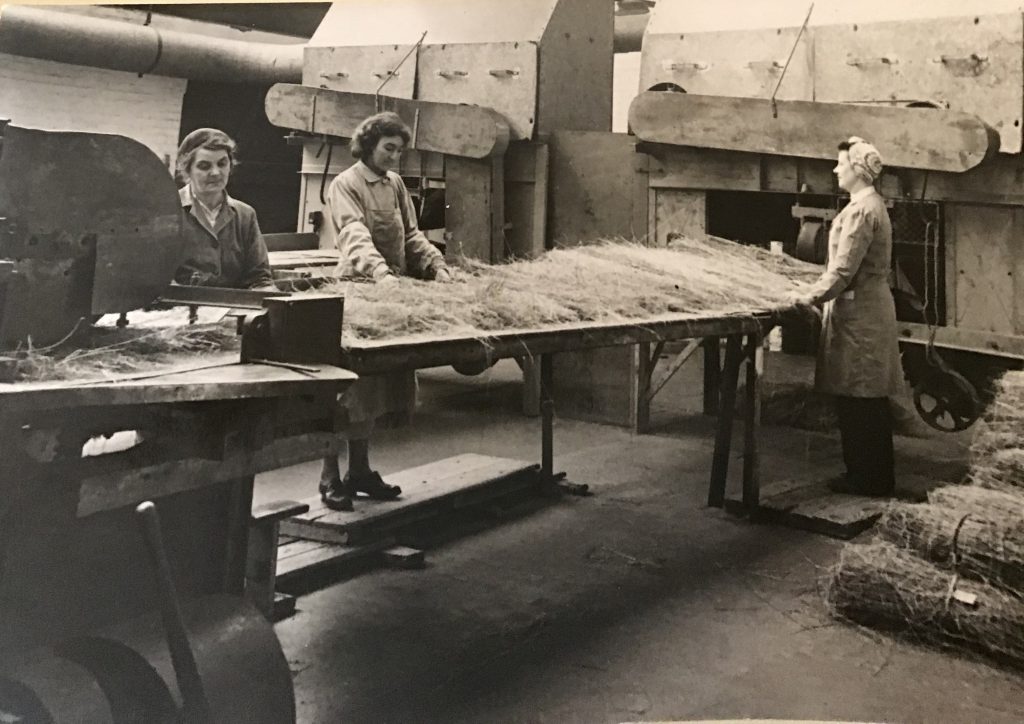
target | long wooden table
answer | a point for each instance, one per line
(742, 334)
(71, 557)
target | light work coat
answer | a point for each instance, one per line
(858, 352)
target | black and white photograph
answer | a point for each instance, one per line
(512, 361)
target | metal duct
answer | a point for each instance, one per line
(143, 49)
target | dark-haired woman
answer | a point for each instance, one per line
(374, 222)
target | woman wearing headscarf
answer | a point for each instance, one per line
(858, 353)
(224, 245)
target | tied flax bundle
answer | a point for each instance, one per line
(998, 458)
(882, 586)
(951, 570)
(972, 531)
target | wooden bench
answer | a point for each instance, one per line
(261, 558)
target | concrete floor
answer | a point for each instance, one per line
(635, 604)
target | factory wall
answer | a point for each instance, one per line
(61, 97)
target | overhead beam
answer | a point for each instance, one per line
(919, 138)
(449, 128)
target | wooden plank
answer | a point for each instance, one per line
(941, 140)
(209, 377)
(421, 352)
(301, 259)
(318, 558)
(424, 490)
(968, 340)
(811, 506)
(592, 176)
(678, 212)
(677, 362)
(598, 385)
(972, 62)
(705, 169)
(988, 252)
(449, 128)
(470, 195)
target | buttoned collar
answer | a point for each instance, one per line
(189, 203)
(369, 174)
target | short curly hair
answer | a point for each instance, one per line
(211, 139)
(374, 128)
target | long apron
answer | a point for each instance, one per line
(388, 399)
(858, 352)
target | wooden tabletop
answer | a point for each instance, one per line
(206, 378)
(377, 356)
(302, 258)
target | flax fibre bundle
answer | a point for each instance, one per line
(608, 281)
(997, 452)
(111, 352)
(882, 586)
(975, 532)
(611, 281)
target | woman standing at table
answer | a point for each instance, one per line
(858, 354)
(374, 222)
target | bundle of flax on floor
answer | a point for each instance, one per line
(998, 449)
(886, 587)
(603, 282)
(951, 571)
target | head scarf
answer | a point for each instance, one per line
(865, 158)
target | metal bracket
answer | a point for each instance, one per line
(674, 66)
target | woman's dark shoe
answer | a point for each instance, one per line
(333, 495)
(370, 484)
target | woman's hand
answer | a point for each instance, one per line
(798, 298)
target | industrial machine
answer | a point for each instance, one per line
(91, 225)
(739, 111)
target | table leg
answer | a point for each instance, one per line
(727, 405)
(751, 422)
(712, 374)
(547, 419)
(239, 512)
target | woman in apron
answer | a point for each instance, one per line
(374, 221)
(858, 353)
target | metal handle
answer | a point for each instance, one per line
(196, 707)
(386, 74)
(868, 62)
(449, 74)
(504, 72)
(674, 65)
(770, 65)
(338, 74)
(971, 64)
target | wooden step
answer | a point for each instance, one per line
(809, 505)
(427, 490)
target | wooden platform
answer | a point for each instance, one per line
(810, 505)
(427, 490)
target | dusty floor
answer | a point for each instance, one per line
(635, 604)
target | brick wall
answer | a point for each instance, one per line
(60, 97)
